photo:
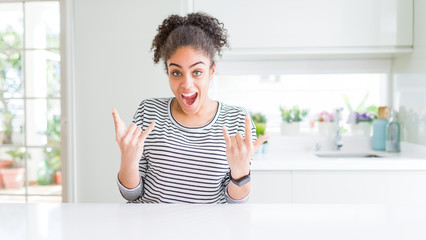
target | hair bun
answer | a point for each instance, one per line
(211, 26)
(169, 24)
(199, 30)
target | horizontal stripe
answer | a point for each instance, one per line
(184, 164)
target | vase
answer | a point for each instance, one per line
(290, 129)
(3, 164)
(361, 129)
(58, 177)
(13, 177)
(326, 128)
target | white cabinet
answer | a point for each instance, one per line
(312, 23)
(270, 187)
(359, 187)
(337, 186)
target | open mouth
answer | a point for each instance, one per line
(189, 98)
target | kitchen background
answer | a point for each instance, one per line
(283, 53)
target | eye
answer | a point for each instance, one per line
(197, 73)
(176, 74)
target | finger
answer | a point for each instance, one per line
(119, 123)
(147, 131)
(239, 139)
(123, 124)
(130, 131)
(226, 136)
(117, 119)
(248, 137)
(259, 142)
(136, 134)
(234, 142)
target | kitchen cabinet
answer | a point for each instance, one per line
(310, 26)
(359, 187)
(270, 187)
(338, 186)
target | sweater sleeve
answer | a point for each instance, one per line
(230, 200)
(130, 194)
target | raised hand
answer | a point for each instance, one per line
(239, 150)
(131, 141)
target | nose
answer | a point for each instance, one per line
(187, 81)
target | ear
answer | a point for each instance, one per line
(213, 70)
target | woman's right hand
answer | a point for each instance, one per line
(131, 141)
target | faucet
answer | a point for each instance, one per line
(338, 137)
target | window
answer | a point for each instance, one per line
(317, 93)
(30, 102)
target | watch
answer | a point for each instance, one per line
(240, 182)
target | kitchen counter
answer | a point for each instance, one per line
(250, 221)
(293, 161)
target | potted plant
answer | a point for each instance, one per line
(259, 121)
(50, 171)
(361, 123)
(361, 118)
(326, 125)
(4, 163)
(291, 118)
(14, 174)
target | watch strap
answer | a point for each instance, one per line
(242, 181)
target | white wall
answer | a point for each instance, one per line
(409, 78)
(113, 68)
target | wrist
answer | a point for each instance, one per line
(240, 181)
(129, 165)
(236, 175)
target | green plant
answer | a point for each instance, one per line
(258, 117)
(259, 121)
(53, 134)
(10, 62)
(17, 155)
(53, 130)
(294, 114)
(361, 113)
(53, 158)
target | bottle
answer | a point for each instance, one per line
(393, 133)
(378, 141)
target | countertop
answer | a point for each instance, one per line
(249, 221)
(299, 161)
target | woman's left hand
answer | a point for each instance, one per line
(239, 150)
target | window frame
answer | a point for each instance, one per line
(64, 18)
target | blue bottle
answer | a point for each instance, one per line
(378, 141)
(393, 134)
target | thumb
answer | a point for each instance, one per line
(260, 141)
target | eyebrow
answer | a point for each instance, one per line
(179, 66)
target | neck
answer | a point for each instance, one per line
(204, 115)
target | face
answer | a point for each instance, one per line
(189, 77)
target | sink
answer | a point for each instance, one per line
(336, 154)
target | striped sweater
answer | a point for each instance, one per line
(183, 164)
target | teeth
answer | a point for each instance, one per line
(188, 94)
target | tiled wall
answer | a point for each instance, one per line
(409, 82)
(410, 99)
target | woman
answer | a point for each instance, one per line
(179, 149)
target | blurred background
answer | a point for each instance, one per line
(64, 64)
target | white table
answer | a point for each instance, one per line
(250, 221)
